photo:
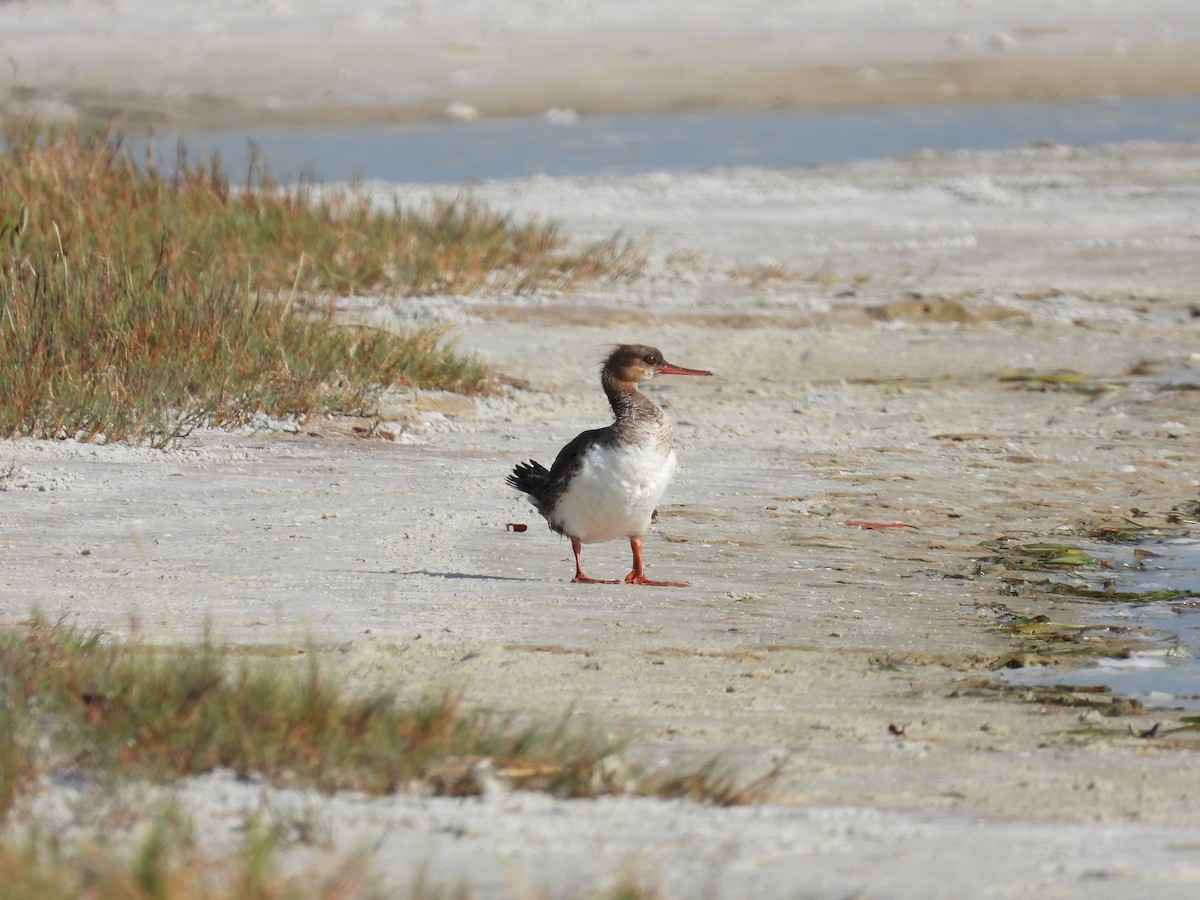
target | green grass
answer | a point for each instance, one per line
(135, 305)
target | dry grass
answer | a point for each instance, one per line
(83, 195)
(74, 701)
(16, 751)
(156, 714)
(91, 350)
(135, 305)
(168, 864)
(163, 714)
(825, 275)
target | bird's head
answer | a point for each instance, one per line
(631, 364)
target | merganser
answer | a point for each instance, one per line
(607, 482)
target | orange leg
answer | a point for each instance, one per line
(580, 578)
(638, 575)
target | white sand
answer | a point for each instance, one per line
(834, 396)
(325, 60)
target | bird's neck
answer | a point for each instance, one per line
(638, 419)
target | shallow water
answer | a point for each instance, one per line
(672, 142)
(1166, 673)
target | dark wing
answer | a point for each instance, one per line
(570, 457)
(544, 486)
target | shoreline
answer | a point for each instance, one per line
(808, 89)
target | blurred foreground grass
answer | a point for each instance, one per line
(162, 713)
(75, 701)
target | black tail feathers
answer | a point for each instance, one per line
(532, 478)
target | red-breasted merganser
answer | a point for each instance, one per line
(607, 482)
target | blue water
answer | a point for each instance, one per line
(1165, 671)
(633, 144)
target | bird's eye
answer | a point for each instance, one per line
(650, 359)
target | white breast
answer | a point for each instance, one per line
(614, 492)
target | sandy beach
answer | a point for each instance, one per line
(861, 321)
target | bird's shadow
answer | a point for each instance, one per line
(469, 576)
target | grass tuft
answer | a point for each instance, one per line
(136, 305)
(83, 194)
(164, 714)
(92, 350)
